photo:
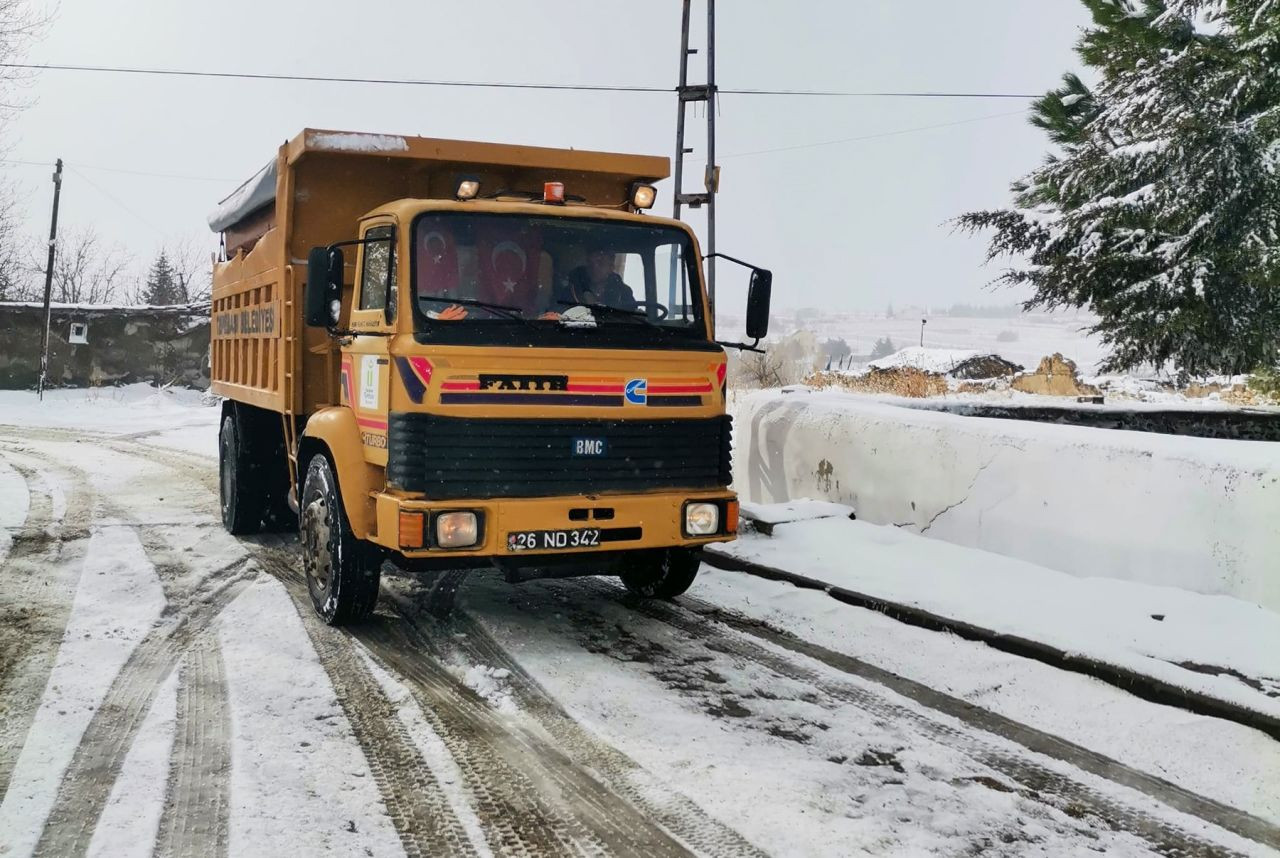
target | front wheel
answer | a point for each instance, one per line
(661, 574)
(342, 571)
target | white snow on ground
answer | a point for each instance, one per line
(131, 818)
(491, 684)
(940, 361)
(298, 777)
(1214, 758)
(804, 795)
(433, 750)
(14, 502)
(1109, 620)
(177, 417)
(117, 602)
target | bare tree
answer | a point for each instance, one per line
(192, 262)
(85, 271)
(20, 24)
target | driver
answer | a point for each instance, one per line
(596, 283)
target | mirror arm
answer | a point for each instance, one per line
(732, 259)
(743, 347)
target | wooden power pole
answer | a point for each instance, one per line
(48, 282)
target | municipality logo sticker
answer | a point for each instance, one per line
(636, 391)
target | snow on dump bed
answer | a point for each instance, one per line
(941, 361)
(350, 142)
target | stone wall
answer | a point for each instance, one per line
(122, 345)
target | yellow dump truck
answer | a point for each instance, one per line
(453, 354)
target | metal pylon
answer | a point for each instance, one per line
(693, 93)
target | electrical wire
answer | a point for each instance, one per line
(870, 136)
(499, 84)
(110, 196)
(122, 171)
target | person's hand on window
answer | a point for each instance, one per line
(452, 313)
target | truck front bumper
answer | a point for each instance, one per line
(610, 523)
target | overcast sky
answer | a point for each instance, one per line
(852, 225)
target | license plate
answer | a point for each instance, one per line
(553, 540)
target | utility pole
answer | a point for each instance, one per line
(705, 93)
(48, 282)
(923, 322)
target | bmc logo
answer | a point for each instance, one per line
(636, 391)
(589, 447)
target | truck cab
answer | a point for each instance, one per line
(514, 367)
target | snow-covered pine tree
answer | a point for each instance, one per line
(1160, 211)
(162, 286)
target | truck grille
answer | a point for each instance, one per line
(462, 457)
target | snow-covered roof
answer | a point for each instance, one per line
(257, 192)
(197, 309)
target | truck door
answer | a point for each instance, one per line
(367, 361)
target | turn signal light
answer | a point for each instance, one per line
(411, 530)
(553, 192)
(731, 517)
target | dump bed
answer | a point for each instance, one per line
(313, 193)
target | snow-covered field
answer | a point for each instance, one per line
(167, 690)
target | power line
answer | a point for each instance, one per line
(123, 171)
(501, 84)
(115, 200)
(872, 136)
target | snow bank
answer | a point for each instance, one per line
(1194, 513)
(941, 361)
(1155, 631)
(341, 141)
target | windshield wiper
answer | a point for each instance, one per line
(500, 309)
(638, 315)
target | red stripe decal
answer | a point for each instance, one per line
(595, 388)
(460, 385)
(371, 424)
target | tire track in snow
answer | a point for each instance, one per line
(679, 815)
(532, 799)
(100, 754)
(38, 580)
(722, 632)
(194, 822)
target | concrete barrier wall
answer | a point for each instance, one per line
(1194, 513)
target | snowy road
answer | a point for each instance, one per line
(166, 689)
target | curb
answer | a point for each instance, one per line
(1137, 684)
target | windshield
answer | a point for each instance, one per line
(477, 276)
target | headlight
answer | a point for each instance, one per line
(457, 529)
(701, 519)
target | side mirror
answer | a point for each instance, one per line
(758, 295)
(324, 285)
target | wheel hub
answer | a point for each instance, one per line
(317, 558)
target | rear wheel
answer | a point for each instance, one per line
(240, 489)
(342, 571)
(660, 574)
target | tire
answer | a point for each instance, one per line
(240, 491)
(661, 574)
(342, 572)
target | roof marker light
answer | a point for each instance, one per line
(643, 196)
(468, 189)
(553, 192)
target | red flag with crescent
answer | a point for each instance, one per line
(437, 262)
(509, 259)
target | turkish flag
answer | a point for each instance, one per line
(437, 261)
(509, 256)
